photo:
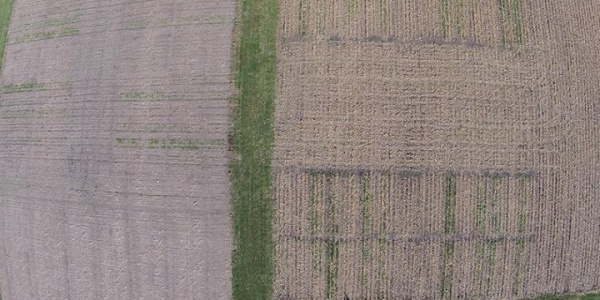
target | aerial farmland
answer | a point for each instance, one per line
(299, 149)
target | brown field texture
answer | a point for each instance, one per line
(437, 149)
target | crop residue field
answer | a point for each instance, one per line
(436, 149)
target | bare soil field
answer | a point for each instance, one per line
(437, 149)
(114, 179)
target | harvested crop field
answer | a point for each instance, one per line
(114, 117)
(437, 149)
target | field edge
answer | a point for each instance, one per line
(593, 295)
(5, 14)
(252, 141)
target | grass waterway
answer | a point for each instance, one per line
(253, 116)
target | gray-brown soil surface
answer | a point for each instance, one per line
(113, 150)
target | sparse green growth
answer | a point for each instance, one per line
(497, 184)
(33, 113)
(322, 16)
(459, 13)
(352, 8)
(304, 17)
(570, 297)
(316, 198)
(253, 134)
(383, 243)
(144, 23)
(445, 17)
(450, 205)
(332, 246)
(449, 231)
(332, 268)
(523, 215)
(53, 22)
(510, 17)
(493, 245)
(480, 219)
(142, 95)
(518, 21)
(385, 24)
(47, 35)
(22, 141)
(169, 144)
(503, 5)
(22, 88)
(366, 204)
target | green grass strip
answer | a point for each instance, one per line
(253, 114)
(5, 13)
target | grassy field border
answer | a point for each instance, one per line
(252, 143)
(593, 296)
(5, 14)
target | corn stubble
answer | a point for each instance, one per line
(438, 149)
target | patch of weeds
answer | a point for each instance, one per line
(47, 35)
(316, 198)
(480, 225)
(445, 17)
(169, 144)
(33, 113)
(459, 25)
(352, 8)
(22, 88)
(23, 141)
(384, 5)
(449, 231)
(332, 246)
(144, 23)
(518, 21)
(304, 17)
(142, 95)
(53, 22)
(366, 204)
(496, 227)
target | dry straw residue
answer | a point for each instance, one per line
(438, 149)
